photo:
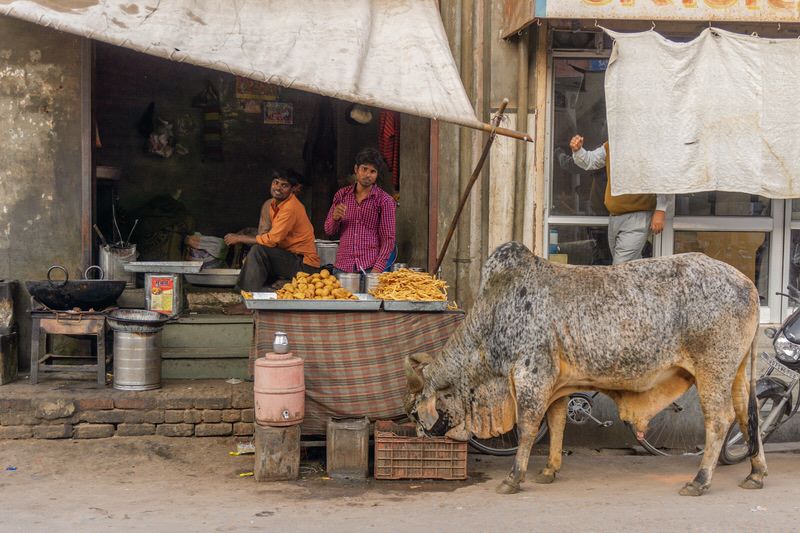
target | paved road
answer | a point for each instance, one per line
(158, 484)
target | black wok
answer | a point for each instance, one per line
(84, 294)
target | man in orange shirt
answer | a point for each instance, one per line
(286, 249)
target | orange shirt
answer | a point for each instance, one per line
(291, 230)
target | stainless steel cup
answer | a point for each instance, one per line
(281, 343)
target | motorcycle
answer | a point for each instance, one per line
(778, 399)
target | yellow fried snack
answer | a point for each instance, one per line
(322, 286)
(405, 284)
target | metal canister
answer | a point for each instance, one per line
(326, 250)
(371, 281)
(137, 360)
(347, 444)
(349, 281)
(7, 320)
(164, 293)
(281, 343)
(398, 266)
(112, 261)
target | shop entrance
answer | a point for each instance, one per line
(184, 149)
(757, 235)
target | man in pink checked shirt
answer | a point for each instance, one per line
(362, 216)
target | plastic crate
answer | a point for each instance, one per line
(400, 454)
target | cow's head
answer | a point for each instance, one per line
(433, 406)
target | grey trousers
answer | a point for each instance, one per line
(265, 265)
(627, 234)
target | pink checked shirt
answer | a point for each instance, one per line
(366, 232)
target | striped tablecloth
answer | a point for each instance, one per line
(353, 361)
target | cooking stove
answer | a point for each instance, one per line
(46, 321)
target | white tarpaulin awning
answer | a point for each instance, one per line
(717, 113)
(392, 54)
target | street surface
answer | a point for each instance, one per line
(159, 484)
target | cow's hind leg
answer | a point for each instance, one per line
(715, 399)
(745, 405)
(556, 421)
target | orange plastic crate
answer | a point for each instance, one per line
(400, 454)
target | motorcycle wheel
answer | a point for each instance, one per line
(505, 444)
(734, 448)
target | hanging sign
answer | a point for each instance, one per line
(700, 10)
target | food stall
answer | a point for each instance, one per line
(354, 349)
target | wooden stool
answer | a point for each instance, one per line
(67, 323)
(277, 453)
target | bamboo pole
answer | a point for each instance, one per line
(475, 175)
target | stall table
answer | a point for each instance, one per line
(353, 360)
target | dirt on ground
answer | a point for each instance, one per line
(158, 484)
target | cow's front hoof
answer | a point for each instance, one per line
(544, 478)
(507, 487)
(693, 489)
(752, 483)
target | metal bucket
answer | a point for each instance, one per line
(112, 261)
(137, 360)
(347, 443)
(349, 281)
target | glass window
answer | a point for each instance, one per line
(579, 108)
(582, 245)
(795, 209)
(725, 204)
(794, 257)
(748, 251)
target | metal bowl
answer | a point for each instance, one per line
(214, 277)
(136, 320)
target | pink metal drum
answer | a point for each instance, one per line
(279, 389)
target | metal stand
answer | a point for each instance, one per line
(67, 323)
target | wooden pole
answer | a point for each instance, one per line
(475, 175)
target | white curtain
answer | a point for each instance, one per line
(717, 113)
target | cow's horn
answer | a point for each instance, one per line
(415, 381)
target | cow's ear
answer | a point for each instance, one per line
(416, 381)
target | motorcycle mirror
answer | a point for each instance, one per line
(770, 332)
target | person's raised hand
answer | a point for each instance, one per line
(576, 143)
(339, 211)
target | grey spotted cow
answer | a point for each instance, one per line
(641, 332)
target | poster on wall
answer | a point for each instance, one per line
(250, 106)
(247, 89)
(278, 113)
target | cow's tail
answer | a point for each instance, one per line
(752, 406)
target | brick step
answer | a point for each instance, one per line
(60, 409)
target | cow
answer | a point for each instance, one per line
(641, 332)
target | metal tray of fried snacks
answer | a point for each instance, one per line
(268, 301)
(164, 267)
(415, 305)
